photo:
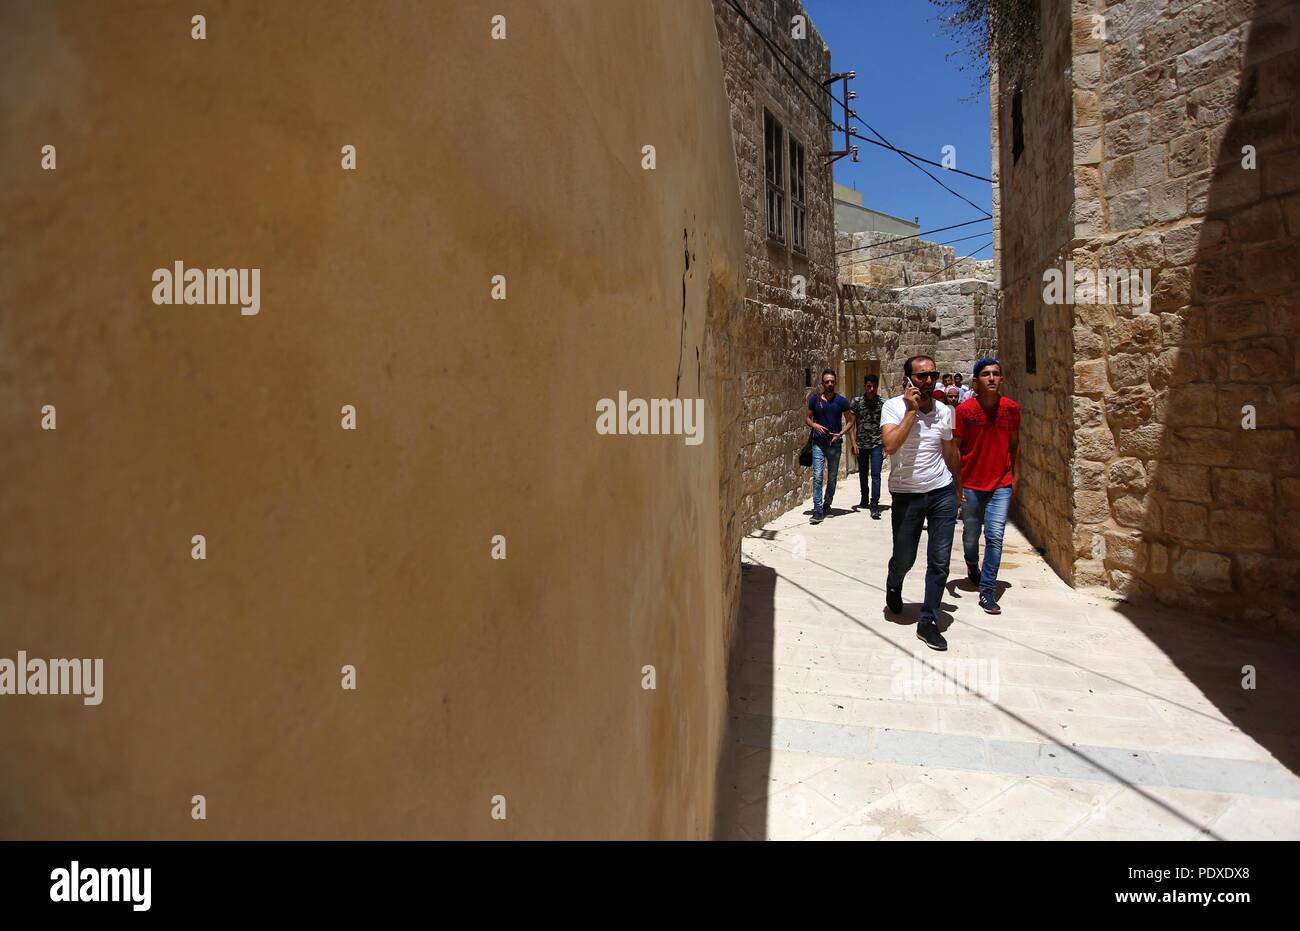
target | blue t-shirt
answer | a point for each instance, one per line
(830, 414)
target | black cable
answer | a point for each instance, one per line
(781, 56)
(886, 242)
(874, 258)
(780, 61)
(794, 61)
(953, 265)
(921, 158)
(918, 167)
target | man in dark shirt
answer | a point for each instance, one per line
(826, 412)
(866, 441)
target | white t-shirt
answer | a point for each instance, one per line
(919, 465)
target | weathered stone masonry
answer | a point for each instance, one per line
(877, 323)
(965, 318)
(1165, 496)
(1032, 204)
(895, 264)
(927, 275)
(779, 338)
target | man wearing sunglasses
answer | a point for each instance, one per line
(916, 433)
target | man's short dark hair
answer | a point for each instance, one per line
(984, 363)
(907, 366)
(826, 372)
(956, 376)
(874, 379)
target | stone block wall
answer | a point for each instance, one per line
(880, 324)
(903, 264)
(1176, 499)
(1182, 131)
(1033, 203)
(965, 317)
(987, 309)
(979, 269)
(779, 338)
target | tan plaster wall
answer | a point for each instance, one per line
(476, 677)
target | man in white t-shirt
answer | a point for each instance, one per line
(916, 432)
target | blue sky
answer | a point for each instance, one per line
(918, 99)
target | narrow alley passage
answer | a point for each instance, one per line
(1070, 715)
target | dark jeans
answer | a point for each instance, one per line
(938, 510)
(985, 510)
(826, 460)
(873, 457)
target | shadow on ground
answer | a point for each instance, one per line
(1218, 658)
(745, 760)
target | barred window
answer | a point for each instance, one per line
(774, 163)
(798, 226)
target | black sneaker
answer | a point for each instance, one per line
(875, 513)
(989, 603)
(863, 506)
(816, 518)
(972, 573)
(928, 632)
(894, 600)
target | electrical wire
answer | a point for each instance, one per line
(918, 167)
(920, 158)
(953, 265)
(875, 258)
(794, 61)
(886, 242)
(782, 56)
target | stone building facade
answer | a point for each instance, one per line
(1159, 448)
(927, 276)
(782, 338)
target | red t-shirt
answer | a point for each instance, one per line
(985, 442)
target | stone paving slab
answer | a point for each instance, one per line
(1085, 724)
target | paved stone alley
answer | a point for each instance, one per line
(1094, 719)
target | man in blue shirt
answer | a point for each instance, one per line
(826, 413)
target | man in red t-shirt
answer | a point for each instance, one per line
(987, 426)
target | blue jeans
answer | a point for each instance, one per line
(873, 456)
(987, 508)
(825, 459)
(938, 510)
